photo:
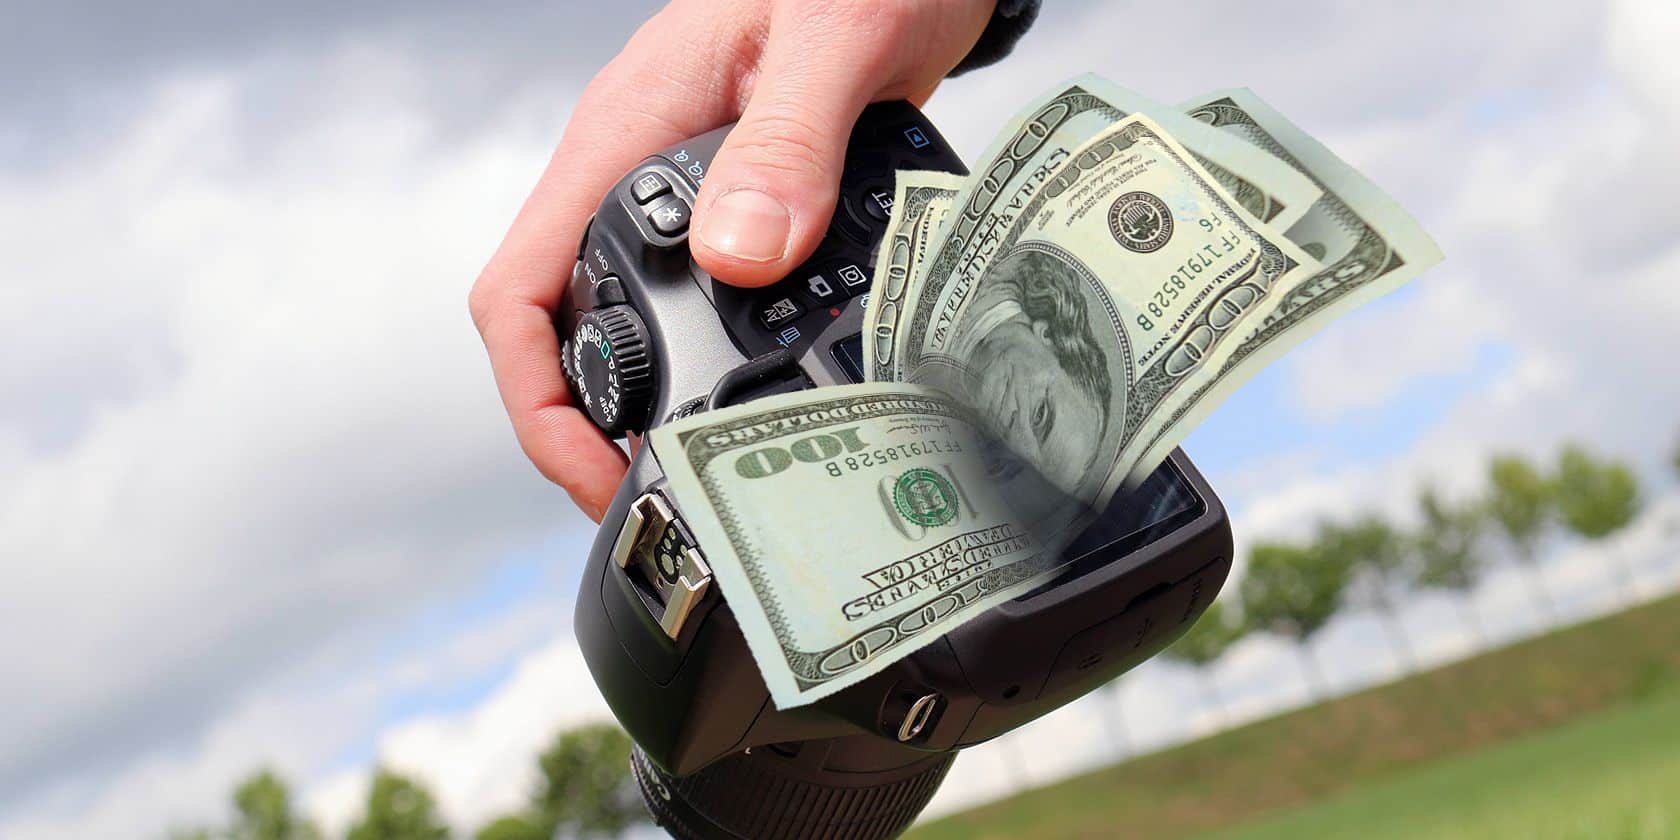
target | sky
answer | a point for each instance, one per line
(259, 504)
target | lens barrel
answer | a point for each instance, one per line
(768, 794)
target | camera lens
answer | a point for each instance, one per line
(841, 789)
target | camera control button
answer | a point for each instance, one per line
(669, 216)
(876, 201)
(774, 312)
(610, 291)
(611, 367)
(916, 137)
(852, 278)
(820, 288)
(649, 186)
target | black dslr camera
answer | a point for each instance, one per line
(650, 337)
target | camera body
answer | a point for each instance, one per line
(649, 337)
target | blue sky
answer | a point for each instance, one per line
(259, 504)
(1264, 417)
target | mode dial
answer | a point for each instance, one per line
(609, 364)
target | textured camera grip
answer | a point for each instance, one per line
(748, 797)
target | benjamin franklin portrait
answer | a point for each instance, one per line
(1036, 345)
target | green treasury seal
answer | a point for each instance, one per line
(925, 497)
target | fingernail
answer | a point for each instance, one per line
(747, 224)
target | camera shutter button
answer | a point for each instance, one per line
(612, 368)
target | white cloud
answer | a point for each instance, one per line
(1369, 360)
(301, 722)
(480, 762)
(1579, 299)
(311, 444)
(1642, 38)
(248, 419)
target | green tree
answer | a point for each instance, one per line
(514, 827)
(1377, 558)
(1447, 552)
(1522, 502)
(398, 808)
(1293, 591)
(585, 790)
(1202, 645)
(1596, 498)
(263, 811)
(586, 787)
(1674, 457)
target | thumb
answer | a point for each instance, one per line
(772, 186)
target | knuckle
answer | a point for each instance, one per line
(787, 141)
(871, 39)
(480, 305)
(881, 19)
(892, 20)
(606, 82)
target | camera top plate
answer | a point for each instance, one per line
(648, 333)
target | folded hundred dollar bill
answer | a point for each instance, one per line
(849, 526)
(1039, 336)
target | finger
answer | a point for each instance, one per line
(771, 190)
(514, 300)
(559, 439)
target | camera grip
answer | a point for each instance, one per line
(758, 794)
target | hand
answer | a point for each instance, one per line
(796, 74)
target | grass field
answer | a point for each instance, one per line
(1572, 734)
(1613, 774)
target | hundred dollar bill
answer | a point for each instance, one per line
(849, 526)
(1035, 142)
(1128, 274)
(921, 200)
(1367, 243)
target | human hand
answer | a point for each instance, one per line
(795, 74)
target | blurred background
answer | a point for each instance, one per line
(264, 529)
